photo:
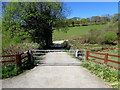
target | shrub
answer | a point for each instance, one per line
(18, 48)
(84, 24)
(9, 71)
(92, 36)
(109, 37)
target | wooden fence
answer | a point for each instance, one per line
(20, 59)
(105, 59)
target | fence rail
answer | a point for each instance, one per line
(8, 56)
(8, 60)
(105, 59)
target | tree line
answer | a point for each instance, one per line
(77, 21)
(32, 21)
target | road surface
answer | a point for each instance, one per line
(59, 42)
(59, 71)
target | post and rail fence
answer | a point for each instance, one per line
(86, 55)
(105, 59)
(20, 59)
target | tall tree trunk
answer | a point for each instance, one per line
(48, 37)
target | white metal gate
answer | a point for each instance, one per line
(38, 56)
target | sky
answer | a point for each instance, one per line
(88, 9)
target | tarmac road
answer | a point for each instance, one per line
(59, 71)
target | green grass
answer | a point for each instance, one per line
(74, 32)
(9, 71)
(113, 52)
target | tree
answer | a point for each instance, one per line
(88, 19)
(77, 22)
(95, 19)
(34, 19)
(69, 21)
(105, 19)
(116, 17)
(84, 21)
(0, 33)
(73, 24)
(76, 19)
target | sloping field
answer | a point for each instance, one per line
(74, 32)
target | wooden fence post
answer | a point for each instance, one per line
(87, 54)
(106, 58)
(18, 60)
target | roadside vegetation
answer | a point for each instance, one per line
(109, 75)
(9, 69)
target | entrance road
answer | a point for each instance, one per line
(57, 75)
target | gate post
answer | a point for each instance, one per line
(84, 55)
(106, 59)
(76, 53)
(87, 55)
(30, 58)
(18, 60)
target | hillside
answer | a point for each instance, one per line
(74, 32)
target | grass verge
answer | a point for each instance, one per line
(107, 74)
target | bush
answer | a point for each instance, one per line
(109, 37)
(18, 48)
(92, 36)
(9, 71)
(84, 24)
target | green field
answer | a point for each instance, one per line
(74, 32)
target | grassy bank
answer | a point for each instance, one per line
(74, 32)
(109, 75)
